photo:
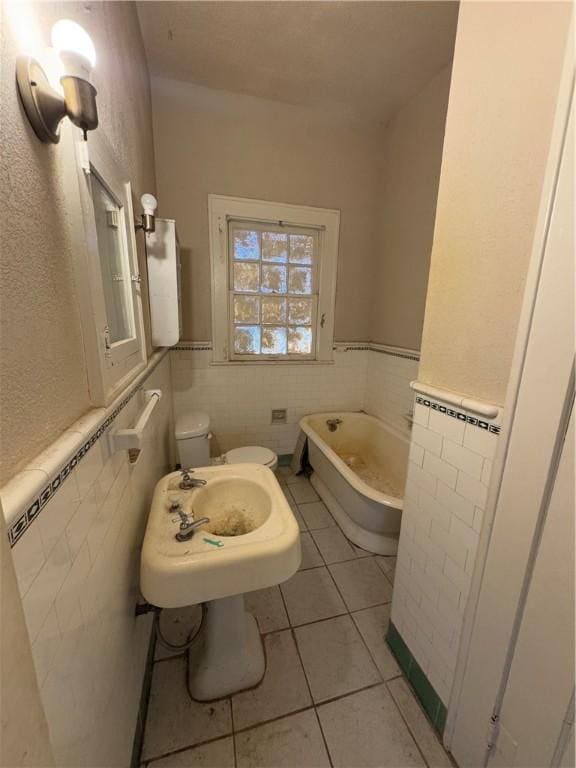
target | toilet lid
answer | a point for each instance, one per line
(251, 454)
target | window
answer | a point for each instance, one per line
(106, 269)
(274, 274)
(273, 290)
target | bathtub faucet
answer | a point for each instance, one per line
(333, 424)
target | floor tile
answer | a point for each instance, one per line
(333, 545)
(335, 658)
(216, 754)
(303, 492)
(267, 606)
(388, 566)
(175, 721)
(361, 583)
(286, 743)
(311, 558)
(283, 473)
(418, 724)
(310, 596)
(299, 519)
(293, 479)
(366, 729)
(316, 515)
(372, 624)
(177, 625)
(283, 689)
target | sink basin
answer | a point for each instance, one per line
(235, 506)
(251, 541)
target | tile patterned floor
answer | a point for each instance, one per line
(332, 694)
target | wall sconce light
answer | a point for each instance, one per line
(147, 219)
(44, 106)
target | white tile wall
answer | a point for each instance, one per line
(77, 569)
(388, 394)
(239, 399)
(448, 475)
(77, 564)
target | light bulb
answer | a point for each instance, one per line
(149, 204)
(75, 47)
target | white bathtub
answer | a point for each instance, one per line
(359, 472)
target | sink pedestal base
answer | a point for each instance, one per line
(228, 656)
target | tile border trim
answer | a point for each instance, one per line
(480, 407)
(338, 346)
(432, 703)
(54, 482)
(402, 352)
(192, 346)
(459, 415)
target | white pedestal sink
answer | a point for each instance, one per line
(250, 542)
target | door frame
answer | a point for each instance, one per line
(485, 648)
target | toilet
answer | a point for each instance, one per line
(192, 434)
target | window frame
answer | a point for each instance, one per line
(314, 296)
(223, 209)
(110, 366)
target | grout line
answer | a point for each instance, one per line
(232, 722)
(425, 715)
(340, 696)
(323, 737)
(313, 705)
(307, 682)
(311, 696)
(150, 761)
(274, 719)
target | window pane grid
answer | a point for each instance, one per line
(273, 291)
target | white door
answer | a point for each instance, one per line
(514, 707)
(536, 713)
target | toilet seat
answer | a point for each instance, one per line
(252, 454)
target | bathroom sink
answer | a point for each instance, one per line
(251, 540)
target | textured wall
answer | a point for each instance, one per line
(505, 77)
(412, 155)
(43, 385)
(210, 141)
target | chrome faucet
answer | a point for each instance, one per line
(333, 424)
(188, 527)
(188, 482)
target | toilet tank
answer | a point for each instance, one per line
(193, 439)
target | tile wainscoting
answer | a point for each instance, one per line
(76, 517)
(239, 398)
(451, 456)
(387, 393)
(77, 568)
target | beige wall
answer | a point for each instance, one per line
(43, 386)
(211, 141)
(412, 155)
(505, 79)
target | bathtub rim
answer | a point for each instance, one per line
(396, 502)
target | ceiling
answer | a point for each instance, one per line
(366, 58)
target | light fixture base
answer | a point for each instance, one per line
(44, 106)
